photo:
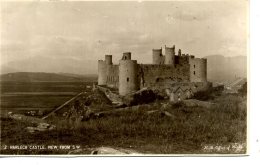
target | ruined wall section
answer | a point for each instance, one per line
(182, 59)
(151, 75)
(181, 91)
(198, 69)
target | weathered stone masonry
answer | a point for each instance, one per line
(166, 71)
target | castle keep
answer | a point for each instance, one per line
(169, 70)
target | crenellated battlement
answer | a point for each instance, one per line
(129, 76)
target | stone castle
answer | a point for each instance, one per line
(169, 70)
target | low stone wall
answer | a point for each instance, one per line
(182, 91)
(139, 97)
(143, 96)
(115, 98)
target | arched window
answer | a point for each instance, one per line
(127, 79)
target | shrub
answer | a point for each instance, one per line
(243, 90)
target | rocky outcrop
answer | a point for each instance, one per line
(41, 127)
(27, 119)
(113, 97)
(142, 96)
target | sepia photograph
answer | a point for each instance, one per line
(130, 78)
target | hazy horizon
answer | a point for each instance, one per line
(70, 37)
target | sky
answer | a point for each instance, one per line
(83, 32)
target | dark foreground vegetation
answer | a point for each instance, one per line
(191, 130)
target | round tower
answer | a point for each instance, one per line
(157, 54)
(203, 70)
(198, 70)
(102, 72)
(108, 59)
(128, 78)
(169, 55)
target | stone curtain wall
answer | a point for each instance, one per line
(183, 59)
(112, 76)
(150, 75)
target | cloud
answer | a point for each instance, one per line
(89, 30)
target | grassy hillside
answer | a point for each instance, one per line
(220, 129)
(46, 77)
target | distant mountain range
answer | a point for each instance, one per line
(220, 69)
(49, 65)
(46, 77)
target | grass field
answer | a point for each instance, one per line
(220, 129)
(19, 97)
(7, 87)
